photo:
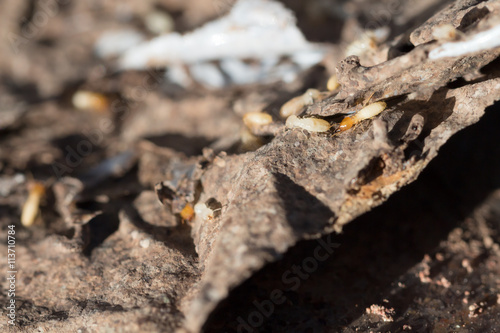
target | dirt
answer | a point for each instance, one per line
(391, 226)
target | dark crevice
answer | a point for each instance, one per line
(101, 227)
(190, 146)
(375, 249)
(177, 237)
(301, 206)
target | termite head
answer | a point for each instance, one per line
(187, 213)
(346, 124)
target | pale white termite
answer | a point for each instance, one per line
(296, 104)
(446, 32)
(309, 124)
(88, 100)
(159, 22)
(361, 46)
(206, 213)
(368, 111)
(369, 41)
(257, 119)
(333, 83)
(32, 204)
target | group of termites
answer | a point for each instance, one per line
(294, 107)
(291, 110)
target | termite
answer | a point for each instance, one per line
(368, 42)
(209, 210)
(88, 100)
(32, 204)
(257, 119)
(446, 32)
(309, 124)
(361, 46)
(365, 113)
(296, 104)
(332, 83)
(187, 213)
